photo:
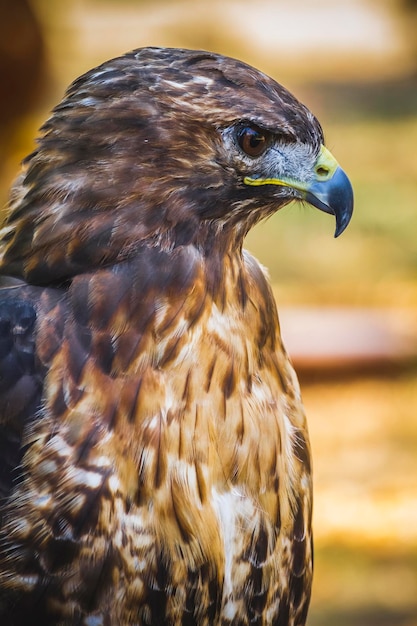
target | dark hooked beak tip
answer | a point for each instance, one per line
(334, 196)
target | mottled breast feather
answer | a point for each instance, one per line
(154, 453)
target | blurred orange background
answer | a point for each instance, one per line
(348, 306)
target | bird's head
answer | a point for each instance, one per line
(166, 147)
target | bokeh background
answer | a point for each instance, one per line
(348, 306)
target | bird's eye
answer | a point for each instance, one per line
(253, 140)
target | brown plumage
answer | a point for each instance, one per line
(155, 464)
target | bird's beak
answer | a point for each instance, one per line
(330, 190)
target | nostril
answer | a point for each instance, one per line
(322, 172)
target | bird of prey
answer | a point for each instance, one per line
(154, 454)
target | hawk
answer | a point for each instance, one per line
(155, 462)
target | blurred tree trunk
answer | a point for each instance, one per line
(410, 8)
(22, 66)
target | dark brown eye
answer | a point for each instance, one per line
(253, 140)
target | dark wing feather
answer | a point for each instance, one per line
(30, 335)
(20, 379)
(22, 370)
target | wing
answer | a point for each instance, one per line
(25, 354)
(25, 351)
(21, 379)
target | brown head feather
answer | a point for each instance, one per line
(150, 163)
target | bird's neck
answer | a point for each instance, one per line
(177, 316)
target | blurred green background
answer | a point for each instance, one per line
(354, 63)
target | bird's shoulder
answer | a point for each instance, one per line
(24, 358)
